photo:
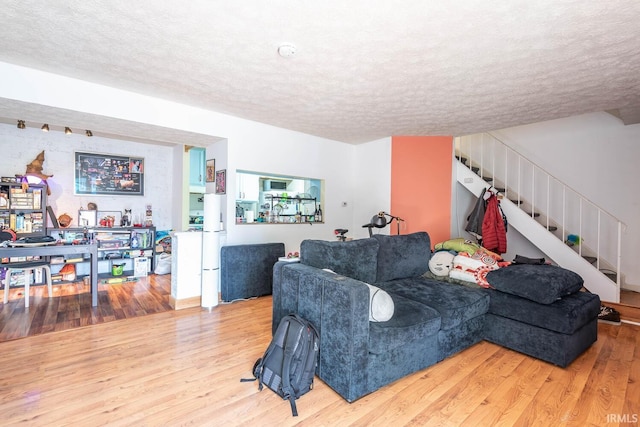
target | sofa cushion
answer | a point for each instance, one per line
(455, 303)
(402, 256)
(566, 315)
(357, 259)
(544, 284)
(411, 321)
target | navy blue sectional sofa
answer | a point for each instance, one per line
(541, 313)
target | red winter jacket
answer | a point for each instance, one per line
(494, 235)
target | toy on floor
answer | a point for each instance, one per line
(573, 240)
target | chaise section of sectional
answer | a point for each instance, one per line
(539, 310)
(557, 333)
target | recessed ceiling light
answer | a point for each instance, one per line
(287, 50)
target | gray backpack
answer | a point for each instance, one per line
(289, 364)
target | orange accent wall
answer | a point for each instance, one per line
(421, 174)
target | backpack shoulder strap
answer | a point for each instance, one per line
(291, 343)
(256, 370)
(277, 337)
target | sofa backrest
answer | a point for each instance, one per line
(357, 259)
(373, 260)
(402, 256)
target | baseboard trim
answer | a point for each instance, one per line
(629, 287)
(179, 304)
(627, 313)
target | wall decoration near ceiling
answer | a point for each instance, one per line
(108, 174)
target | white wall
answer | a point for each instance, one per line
(20, 147)
(179, 197)
(234, 143)
(268, 149)
(356, 175)
(372, 177)
(597, 155)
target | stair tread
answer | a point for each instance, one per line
(591, 259)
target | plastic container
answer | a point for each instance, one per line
(117, 269)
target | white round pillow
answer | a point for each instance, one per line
(441, 263)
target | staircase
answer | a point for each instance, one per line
(549, 218)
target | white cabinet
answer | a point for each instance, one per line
(248, 187)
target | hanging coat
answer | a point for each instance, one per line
(494, 234)
(475, 218)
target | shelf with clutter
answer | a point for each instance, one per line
(293, 209)
(124, 253)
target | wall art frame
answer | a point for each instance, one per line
(108, 174)
(221, 181)
(211, 170)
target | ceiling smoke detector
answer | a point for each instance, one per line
(287, 50)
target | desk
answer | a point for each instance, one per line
(92, 250)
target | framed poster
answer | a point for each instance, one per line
(221, 181)
(211, 170)
(108, 174)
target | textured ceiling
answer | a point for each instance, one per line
(363, 70)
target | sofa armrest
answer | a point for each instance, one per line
(338, 307)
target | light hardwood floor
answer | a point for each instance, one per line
(184, 368)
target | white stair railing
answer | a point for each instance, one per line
(595, 231)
